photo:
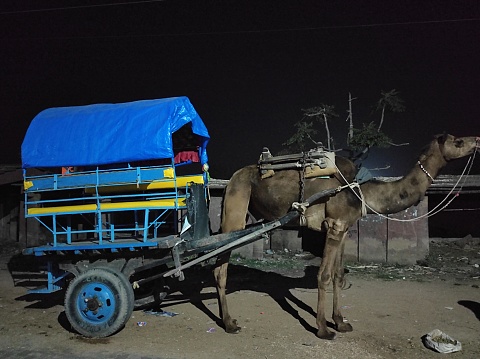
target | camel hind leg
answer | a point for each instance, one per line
(220, 274)
(234, 213)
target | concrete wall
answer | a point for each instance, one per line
(9, 212)
(373, 239)
(381, 240)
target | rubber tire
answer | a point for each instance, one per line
(127, 284)
(113, 291)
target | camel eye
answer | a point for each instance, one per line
(458, 143)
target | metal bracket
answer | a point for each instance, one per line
(176, 259)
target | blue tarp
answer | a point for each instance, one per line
(102, 134)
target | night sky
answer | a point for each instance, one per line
(248, 67)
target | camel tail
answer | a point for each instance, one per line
(235, 201)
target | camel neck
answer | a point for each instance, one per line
(391, 197)
(431, 164)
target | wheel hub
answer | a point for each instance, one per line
(92, 304)
(96, 302)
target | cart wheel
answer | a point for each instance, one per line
(99, 302)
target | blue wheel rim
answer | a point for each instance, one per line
(96, 303)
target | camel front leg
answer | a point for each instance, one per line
(333, 245)
(220, 273)
(323, 279)
(338, 283)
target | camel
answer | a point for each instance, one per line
(271, 198)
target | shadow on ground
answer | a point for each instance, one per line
(27, 273)
(473, 306)
(277, 286)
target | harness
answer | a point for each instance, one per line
(315, 163)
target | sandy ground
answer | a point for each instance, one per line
(390, 308)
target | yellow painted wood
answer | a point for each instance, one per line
(27, 184)
(160, 203)
(181, 182)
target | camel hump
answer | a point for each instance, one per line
(347, 168)
(236, 199)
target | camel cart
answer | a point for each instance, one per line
(120, 192)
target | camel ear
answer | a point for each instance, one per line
(441, 138)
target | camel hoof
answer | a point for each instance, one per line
(233, 328)
(344, 327)
(327, 335)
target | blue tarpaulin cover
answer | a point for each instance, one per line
(103, 134)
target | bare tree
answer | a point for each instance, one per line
(301, 139)
(350, 118)
(359, 139)
(391, 101)
(322, 114)
(371, 136)
(368, 136)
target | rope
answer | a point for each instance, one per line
(302, 179)
(431, 213)
(361, 198)
(302, 207)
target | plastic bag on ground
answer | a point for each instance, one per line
(441, 342)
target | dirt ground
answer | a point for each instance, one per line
(390, 307)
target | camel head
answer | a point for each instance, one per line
(453, 147)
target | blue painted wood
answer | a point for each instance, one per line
(89, 179)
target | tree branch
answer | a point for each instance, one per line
(398, 144)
